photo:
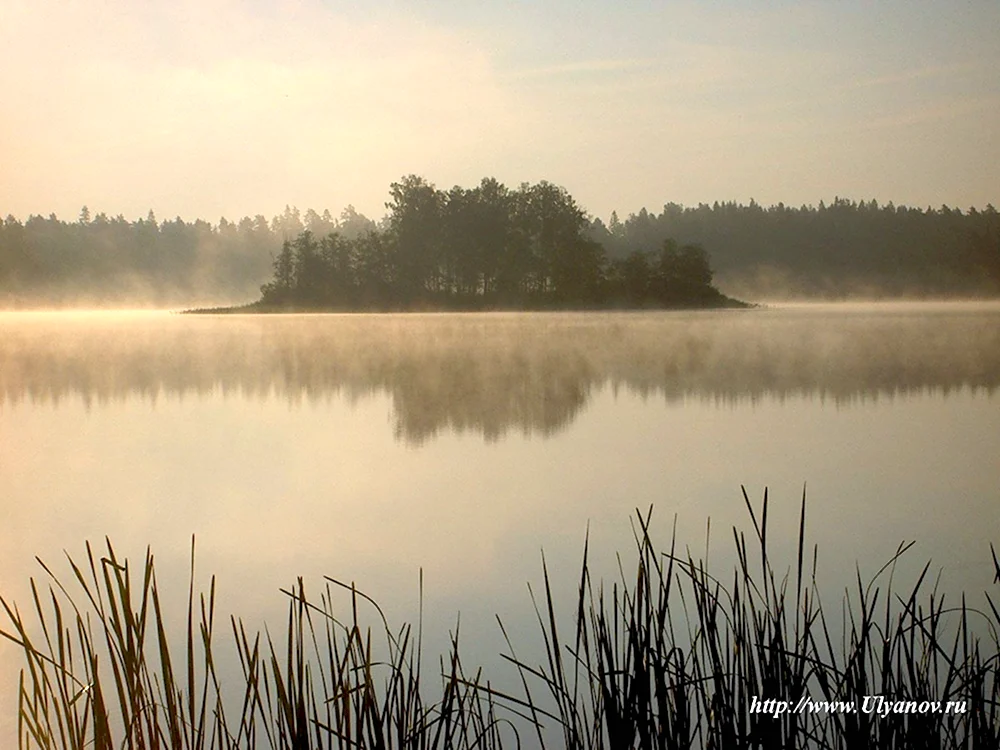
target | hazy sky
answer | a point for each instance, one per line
(204, 108)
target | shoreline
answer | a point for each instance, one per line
(258, 308)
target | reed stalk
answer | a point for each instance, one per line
(666, 656)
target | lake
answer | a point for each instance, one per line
(373, 447)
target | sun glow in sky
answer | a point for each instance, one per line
(209, 108)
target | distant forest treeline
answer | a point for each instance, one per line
(492, 238)
(835, 250)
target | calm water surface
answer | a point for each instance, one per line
(372, 447)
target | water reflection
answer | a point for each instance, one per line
(238, 430)
(493, 373)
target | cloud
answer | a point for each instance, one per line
(586, 66)
(175, 105)
(232, 107)
(949, 71)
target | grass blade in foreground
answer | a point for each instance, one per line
(672, 657)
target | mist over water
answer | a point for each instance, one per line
(369, 447)
(492, 373)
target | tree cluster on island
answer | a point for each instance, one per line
(491, 245)
(486, 247)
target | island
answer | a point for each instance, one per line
(485, 248)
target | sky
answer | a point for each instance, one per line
(211, 108)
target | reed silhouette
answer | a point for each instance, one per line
(669, 656)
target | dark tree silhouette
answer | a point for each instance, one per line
(480, 248)
(491, 246)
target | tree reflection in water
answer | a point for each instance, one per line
(492, 373)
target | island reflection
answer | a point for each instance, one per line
(493, 373)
